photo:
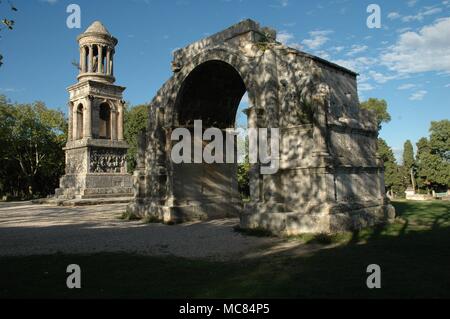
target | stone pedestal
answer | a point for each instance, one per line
(95, 169)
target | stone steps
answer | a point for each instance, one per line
(83, 201)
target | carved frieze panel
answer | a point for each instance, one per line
(104, 160)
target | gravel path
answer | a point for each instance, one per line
(32, 229)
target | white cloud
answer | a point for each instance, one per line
(406, 86)
(422, 14)
(411, 3)
(393, 15)
(281, 4)
(284, 37)
(337, 49)
(10, 90)
(356, 48)
(418, 96)
(365, 87)
(323, 54)
(426, 50)
(359, 64)
(403, 30)
(382, 78)
(447, 86)
(318, 38)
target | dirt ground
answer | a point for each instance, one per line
(33, 229)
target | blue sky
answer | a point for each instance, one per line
(406, 61)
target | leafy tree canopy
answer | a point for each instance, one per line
(380, 107)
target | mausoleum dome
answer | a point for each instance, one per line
(97, 27)
(97, 49)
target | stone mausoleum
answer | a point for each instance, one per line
(95, 150)
(330, 176)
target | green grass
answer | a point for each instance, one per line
(413, 252)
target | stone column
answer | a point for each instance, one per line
(108, 58)
(70, 129)
(120, 121)
(100, 58)
(111, 64)
(87, 117)
(81, 60)
(325, 178)
(74, 122)
(320, 133)
(113, 124)
(254, 174)
(91, 58)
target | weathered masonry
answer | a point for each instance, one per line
(95, 150)
(330, 177)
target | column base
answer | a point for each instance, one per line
(194, 211)
(323, 218)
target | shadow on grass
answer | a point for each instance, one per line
(413, 253)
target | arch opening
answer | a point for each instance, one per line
(212, 93)
(80, 121)
(104, 121)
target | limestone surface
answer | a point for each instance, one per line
(330, 176)
(95, 150)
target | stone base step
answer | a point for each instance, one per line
(95, 196)
(84, 201)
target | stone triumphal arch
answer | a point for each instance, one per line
(329, 176)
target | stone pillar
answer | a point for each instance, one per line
(325, 178)
(111, 63)
(70, 129)
(74, 122)
(113, 124)
(100, 58)
(269, 103)
(120, 121)
(81, 60)
(254, 173)
(87, 117)
(91, 58)
(108, 59)
(320, 133)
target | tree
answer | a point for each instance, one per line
(422, 162)
(32, 138)
(440, 139)
(433, 162)
(392, 176)
(135, 121)
(380, 107)
(408, 164)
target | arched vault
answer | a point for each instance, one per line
(328, 176)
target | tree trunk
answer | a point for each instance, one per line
(413, 181)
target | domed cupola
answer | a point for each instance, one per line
(97, 48)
